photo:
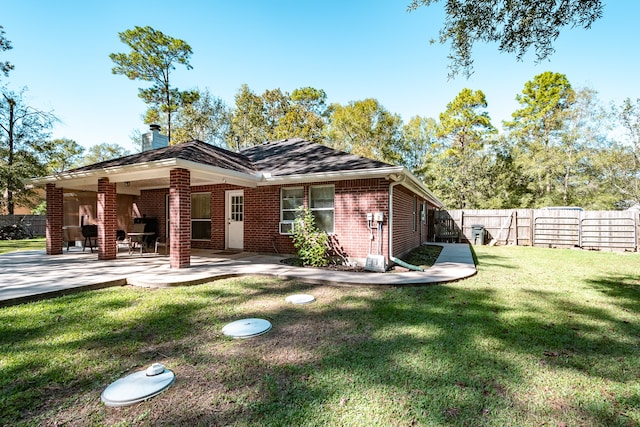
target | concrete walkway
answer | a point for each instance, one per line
(31, 275)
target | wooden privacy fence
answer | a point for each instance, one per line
(557, 228)
(35, 223)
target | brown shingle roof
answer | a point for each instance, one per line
(297, 156)
(195, 151)
(279, 158)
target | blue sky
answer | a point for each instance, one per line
(351, 49)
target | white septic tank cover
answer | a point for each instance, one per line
(247, 328)
(300, 299)
(138, 386)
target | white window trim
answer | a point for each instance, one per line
(424, 213)
(201, 219)
(333, 226)
(415, 213)
(282, 210)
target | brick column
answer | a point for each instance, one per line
(54, 220)
(180, 214)
(107, 219)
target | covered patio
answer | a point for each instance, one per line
(170, 169)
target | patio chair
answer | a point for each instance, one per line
(162, 244)
(137, 242)
(90, 234)
(122, 241)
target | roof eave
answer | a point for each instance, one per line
(417, 185)
(227, 175)
(144, 170)
(267, 179)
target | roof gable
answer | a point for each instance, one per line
(194, 151)
(299, 157)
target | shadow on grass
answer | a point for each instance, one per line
(625, 289)
(443, 355)
(489, 259)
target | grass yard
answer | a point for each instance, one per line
(22, 245)
(537, 337)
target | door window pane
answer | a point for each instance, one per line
(237, 208)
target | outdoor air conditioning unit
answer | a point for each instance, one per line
(287, 227)
(376, 263)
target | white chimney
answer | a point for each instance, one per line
(154, 139)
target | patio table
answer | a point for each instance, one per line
(138, 238)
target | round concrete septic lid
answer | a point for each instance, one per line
(300, 299)
(247, 328)
(138, 386)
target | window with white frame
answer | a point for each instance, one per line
(291, 199)
(201, 216)
(321, 203)
(415, 213)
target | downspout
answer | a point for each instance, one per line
(390, 225)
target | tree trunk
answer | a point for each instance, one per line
(565, 196)
(168, 101)
(10, 204)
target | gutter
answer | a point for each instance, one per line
(397, 180)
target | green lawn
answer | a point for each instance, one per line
(22, 245)
(537, 337)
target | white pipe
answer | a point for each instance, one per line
(397, 180)
(390, 226)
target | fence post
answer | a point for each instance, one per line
(531, 227)
(515, 220)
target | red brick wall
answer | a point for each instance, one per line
(152, 203)
(107, 213)
(180, 212)
(406, 205)
(353, 200)
(54, 218)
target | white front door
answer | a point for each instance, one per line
(235, 219)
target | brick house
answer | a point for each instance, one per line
(199, 196)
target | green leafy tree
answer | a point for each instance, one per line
(305, 116)
(276, 105)
(585, 134)
(508, 186)
(24, 147)
(514, 25)
(65, 154)
(537, 130)
(621, 161)
(420, 136)
(461, 167)
(276, 115)
(102, 152)
(365, 128)
(152, 57)
(206, 119)
(5, 66)
(248, 124)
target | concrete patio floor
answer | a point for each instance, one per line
(32, 275)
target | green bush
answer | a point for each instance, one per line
(311, 243)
